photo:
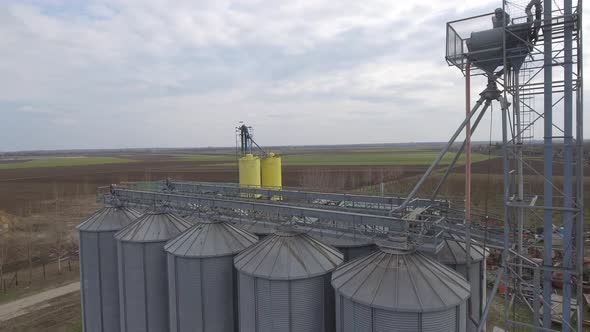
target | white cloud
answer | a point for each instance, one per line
(375, 68)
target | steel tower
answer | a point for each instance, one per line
(531, 50)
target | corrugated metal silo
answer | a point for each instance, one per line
(143, 277)
(399, 290)
(284, 284)
(98, 267)
(454, 255)
(201, 278)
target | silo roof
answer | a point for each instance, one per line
(454, 251)
(153, 227)
(210, 239)
(400, 281)
(109, 218)
(288, 256)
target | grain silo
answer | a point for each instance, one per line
(284, 284)
(201, 278)
(143, 278)
(99, 280)
(454, 255)
(249, 169)
(271, 167)
(399, 290)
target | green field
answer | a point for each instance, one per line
(64, 161)
(385, 158)
(397, 157)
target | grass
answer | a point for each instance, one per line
(76, 327)
(64, 161)
(7, 297)
(384, 158)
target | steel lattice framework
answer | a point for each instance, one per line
(545, 65)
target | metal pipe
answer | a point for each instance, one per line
(458, 154)
(537, 18)
(580, 170)
(439, 157)
(506, 168)
(519, 162)
(548, 163)
(536, 295)
(568, 163)
(468, 150)
(468, 181)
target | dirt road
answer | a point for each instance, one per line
(34, 302)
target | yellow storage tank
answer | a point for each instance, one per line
(272, 177)
(249, 168)
(271, 172)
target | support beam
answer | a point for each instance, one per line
(568, 163)
(548, 163)
(519, 162)
(288, 195)
(468, 180)
(440, 156)
(458, 154)
(580, 169)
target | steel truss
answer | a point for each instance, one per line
(424, 226)
(558, 50)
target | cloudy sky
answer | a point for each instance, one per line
(150, 73)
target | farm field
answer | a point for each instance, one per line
(60, 162)
(397, 157)
(49, 195)
(379, 158)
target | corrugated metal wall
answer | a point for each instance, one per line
(99, 281)
(440, 321)
(201, 294)
(281, 305)
(109, 282)
(475, 275)
(476, 280)
(143, 286)
(401, 321)
(355, 317)
(247, 303)
(462, 313)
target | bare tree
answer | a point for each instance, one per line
(6, 250)
(59, 248)
(73, 252)
(27, 240)
(3, 254)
